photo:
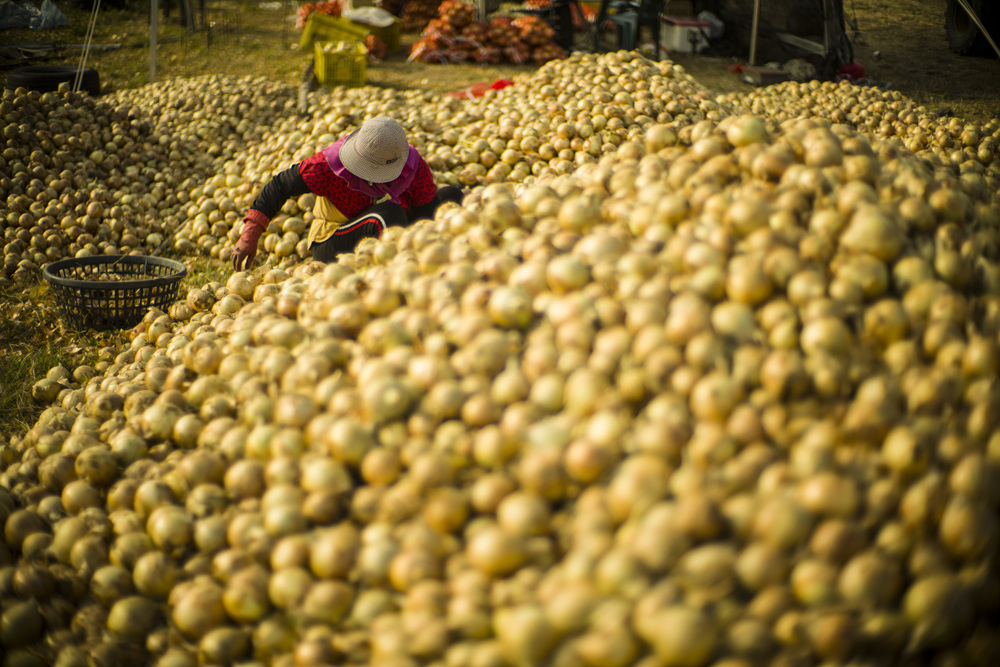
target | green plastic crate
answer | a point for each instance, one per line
(341, 68)
(326, 28)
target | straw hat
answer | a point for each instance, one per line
(377, 151)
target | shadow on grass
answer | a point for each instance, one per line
(24, 359)
(33, 340)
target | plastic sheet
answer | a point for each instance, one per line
(370, 15)
(479, 89)
(28, 15)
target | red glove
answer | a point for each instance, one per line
(245, 249)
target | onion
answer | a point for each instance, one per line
(511, 307)
(683, 635)
(199, 610)
(566, 273)
(746, 130)
(524, 633)
(495, 552)
(968, 529)
(133, 618)
(869, 579)
(872, 231)
(938, 607)
(687, 377)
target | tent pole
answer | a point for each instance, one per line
(154, 10)
(753, 32)
(88, 42)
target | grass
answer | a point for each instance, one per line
(251, 42)
(245, 38)
(33, 339)
(202, 271)
(19, 366)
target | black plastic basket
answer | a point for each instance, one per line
(112, 291)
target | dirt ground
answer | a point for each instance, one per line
(901, 44)
(914, 57)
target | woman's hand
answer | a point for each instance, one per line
(244, 253)
(245, 250)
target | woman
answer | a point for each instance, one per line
(365, 182)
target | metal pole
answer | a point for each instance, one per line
(88, 41)
(753, 32)
(154, 10)
(827, 19)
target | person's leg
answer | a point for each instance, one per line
(451, 193)
(370, 224)
(426, 212)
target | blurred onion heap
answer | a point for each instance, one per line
(688, 380)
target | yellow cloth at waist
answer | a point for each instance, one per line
(327, 218)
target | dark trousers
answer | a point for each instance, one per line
(373, 222)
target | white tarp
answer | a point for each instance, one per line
(369, 15)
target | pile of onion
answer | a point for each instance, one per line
(683, 386)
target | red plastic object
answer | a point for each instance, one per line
(853, 72)
(479, 89)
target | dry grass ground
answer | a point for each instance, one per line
(902, 45)
(246, 38)
(33, 339)
(914, 58)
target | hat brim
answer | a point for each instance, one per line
(366, 169)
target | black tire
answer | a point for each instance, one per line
(46, 78)
(964, 37)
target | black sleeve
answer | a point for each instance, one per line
(281, 188)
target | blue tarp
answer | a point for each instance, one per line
(27, 15)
